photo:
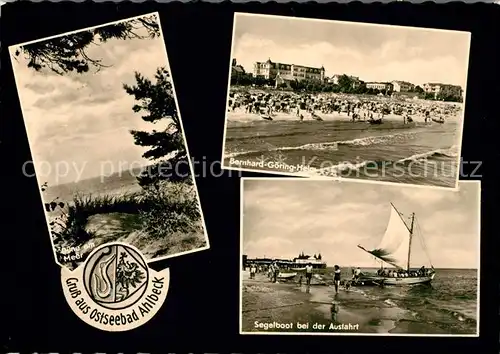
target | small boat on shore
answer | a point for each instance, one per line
(266, 117)
(375, 121)
(438, 120)
(395, 250)
(369, 280)
(316, 117)
(287, 275)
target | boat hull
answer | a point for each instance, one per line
(378, 280)
(286, 275)
(368, 281)
(408, 281)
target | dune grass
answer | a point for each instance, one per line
(84, 206)
(163, 213)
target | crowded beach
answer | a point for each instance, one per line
(260, 104)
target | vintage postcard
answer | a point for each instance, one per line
(107, 141)
(318, 98)
(348, 258)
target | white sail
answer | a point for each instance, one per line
(395, 244)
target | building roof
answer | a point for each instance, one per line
(378, 83)
(402, 82)
(351, 76)
(441, 84)
(268, 61)
(238, 68)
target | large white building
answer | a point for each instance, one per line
(270, 70)
(443, 89)
(402, 86)
(354, 79)
(382, 86)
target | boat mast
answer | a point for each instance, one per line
(411, 236)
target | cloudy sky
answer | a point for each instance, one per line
(372, 52)
(82, 121)
(283, 217)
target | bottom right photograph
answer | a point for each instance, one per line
(326, 257)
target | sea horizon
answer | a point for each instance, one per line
(376, 268)
(118, 183)
(248, 260)
(133, 172)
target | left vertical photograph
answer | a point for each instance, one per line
(107, 141)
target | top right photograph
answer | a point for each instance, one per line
(332, 99)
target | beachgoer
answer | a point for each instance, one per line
(336, 278)
(309, 273)
(276, 273)
(253, 270)
(357, 273)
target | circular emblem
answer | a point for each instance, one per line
(115, 290)
(116, 276)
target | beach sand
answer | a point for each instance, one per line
(239, 115)
(264, 302)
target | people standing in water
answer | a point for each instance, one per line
(336, 278)
(356, 275)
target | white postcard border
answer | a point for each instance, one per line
(240, 282)
(460, 137)
(191, 168)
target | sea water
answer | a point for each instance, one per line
(449, 305)
(416, 153)
(114, 185)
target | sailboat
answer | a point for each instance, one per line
(395, 249)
